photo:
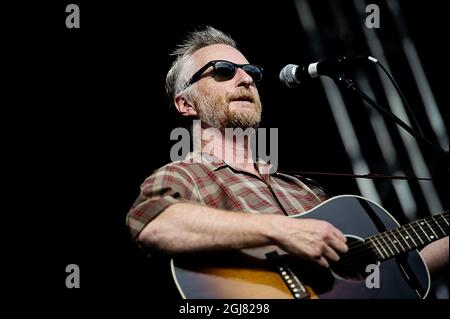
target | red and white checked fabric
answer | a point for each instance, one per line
(212, 182)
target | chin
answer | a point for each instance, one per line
(242, 106)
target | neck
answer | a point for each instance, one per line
(394, 242)
(230, 145)
(414, 235)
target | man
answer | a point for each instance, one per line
(209, 202)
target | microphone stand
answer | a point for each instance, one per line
(350, 85)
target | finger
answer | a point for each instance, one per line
(338, 245)
(330, 254)
(340, 235)
(323, 262)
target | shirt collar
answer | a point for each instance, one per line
(215, 163)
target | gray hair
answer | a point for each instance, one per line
(178, 75)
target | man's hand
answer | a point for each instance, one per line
(311, 239)
(436, 255)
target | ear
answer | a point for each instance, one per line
(183, 106)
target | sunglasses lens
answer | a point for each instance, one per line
(253, 71)
(224, 70)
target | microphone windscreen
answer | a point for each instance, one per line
(288, 77)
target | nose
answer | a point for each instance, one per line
(243, 78)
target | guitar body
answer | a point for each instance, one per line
(250, 274)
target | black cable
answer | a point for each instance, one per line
(402, 96)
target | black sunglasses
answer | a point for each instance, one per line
(226, 70)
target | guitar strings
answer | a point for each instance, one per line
(403, 231)
(368, 247)
(360, 252)
(370, 243)
(385, 238)
(363, 254)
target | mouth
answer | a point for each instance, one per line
(243, 98)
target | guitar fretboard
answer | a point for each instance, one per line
(408, 237)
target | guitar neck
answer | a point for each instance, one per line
(414, 235)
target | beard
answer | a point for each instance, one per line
(215, 110)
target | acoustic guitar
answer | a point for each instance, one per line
(382, 261)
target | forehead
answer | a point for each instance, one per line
(217, 52)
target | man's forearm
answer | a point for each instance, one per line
(186, 227)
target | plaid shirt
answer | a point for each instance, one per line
(207, 180)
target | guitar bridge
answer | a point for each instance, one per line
(295, 286)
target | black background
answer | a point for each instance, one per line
(87, 121)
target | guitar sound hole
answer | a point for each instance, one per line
(352, 265)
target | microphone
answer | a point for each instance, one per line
(293, 75)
